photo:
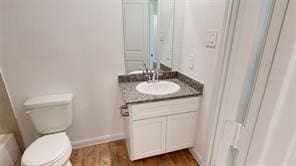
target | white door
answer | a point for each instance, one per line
(136, 33)
(256, 30)
(149, 137)
(274, 138)
(180, 131)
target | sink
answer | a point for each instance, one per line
(158, 88)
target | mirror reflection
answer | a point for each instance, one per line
(148, 34)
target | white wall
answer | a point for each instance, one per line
(166, 28)
(199, 17)
(153, 40)
(61, 46)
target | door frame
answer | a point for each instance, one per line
(227, 37)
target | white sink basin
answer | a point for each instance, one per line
(158, 88)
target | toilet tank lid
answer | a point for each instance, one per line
(49, 100)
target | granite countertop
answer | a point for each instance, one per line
(132, 96)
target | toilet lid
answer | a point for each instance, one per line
(46, 149)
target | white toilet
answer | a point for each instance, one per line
(51, 116)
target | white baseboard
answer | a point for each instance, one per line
(97, 140)
(196, 155)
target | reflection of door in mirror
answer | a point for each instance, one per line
(136, 34)
(148, 34)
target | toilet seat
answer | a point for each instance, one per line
(53, 149)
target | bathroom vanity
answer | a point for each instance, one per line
(157, 124)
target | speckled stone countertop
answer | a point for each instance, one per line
(188, 88)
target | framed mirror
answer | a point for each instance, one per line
(148, 34)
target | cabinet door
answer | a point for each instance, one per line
(180, 131)
(149, 137)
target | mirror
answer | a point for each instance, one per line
(148, 34)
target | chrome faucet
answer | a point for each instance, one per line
(153, 76)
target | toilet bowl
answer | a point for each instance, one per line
(48, 150)
(51, 116)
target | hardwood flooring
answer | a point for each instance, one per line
(115, 154)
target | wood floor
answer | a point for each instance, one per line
(115, 154)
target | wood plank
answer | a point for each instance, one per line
(115, 154)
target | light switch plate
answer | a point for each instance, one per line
(211, 39)
(191, 61)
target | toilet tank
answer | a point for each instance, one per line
(52, 113)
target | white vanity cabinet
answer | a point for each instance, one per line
(160, 127)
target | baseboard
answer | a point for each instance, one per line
(196, 155)
(97, 140)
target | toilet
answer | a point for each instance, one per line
(51, 116)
